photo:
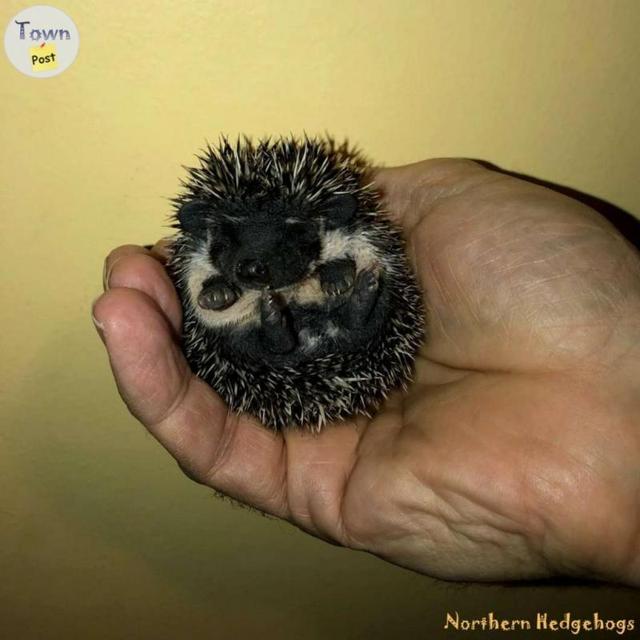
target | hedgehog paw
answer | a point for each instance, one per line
(363, 298)
(216, 294)
(276, 327)
(337, 277)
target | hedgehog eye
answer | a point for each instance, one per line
(192, 216)
(341, 208)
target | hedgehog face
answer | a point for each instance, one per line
(266, 245)
(265, 251)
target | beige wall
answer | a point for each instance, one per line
(100, 535)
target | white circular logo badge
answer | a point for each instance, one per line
(41, 41)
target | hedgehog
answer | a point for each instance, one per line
(300, 307)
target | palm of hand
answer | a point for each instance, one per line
(514, 454)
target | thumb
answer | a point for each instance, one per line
(232, 454)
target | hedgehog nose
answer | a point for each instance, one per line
(253, 272)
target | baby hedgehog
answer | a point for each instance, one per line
(299, 304)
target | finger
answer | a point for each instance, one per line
(117, 254)
(134, 267)
(318, 470)
(161, 250)
(233, 455)
(409, 191)
(511, 269)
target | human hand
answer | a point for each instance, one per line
(516, 451)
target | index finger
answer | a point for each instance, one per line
(135, 267)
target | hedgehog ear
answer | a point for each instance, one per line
(341, 208)
(191, 216)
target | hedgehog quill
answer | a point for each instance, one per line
(300, 307)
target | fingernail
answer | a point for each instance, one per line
(98, 325)
(105, 277)
(164, 244)
(162, 248)
(106, 274)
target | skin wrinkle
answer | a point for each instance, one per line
(438, 323)
(183, 440)
(627, 354)
(625, 264)
(312, 514)
(225, 446)
(518, 547)
(525, 531)
(448, 513)
(266, 486)
(527, 263)
(492, 249)
(434, 315)
(410, 471)
(493, 231)
(435, 374)
(181, 394)
(444, 516)
(530, 285)
(342, 534)
(282, 484)
(404, 511)
(218, 470)
(576, 562)
(279, 506)
(358, 530)
(559, 494)
(447, 510)
(568, 338)
(121, 325)
(463, 294)
(472, 428)
(540, 281)
(304, 514)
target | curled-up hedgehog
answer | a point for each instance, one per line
(299, 304)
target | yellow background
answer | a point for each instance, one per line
(100, 534)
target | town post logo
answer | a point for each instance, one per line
(41, 41)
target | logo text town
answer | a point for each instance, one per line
(42, 34)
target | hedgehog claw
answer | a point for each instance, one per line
(337, 277)
(276, 328)
(216, 295)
